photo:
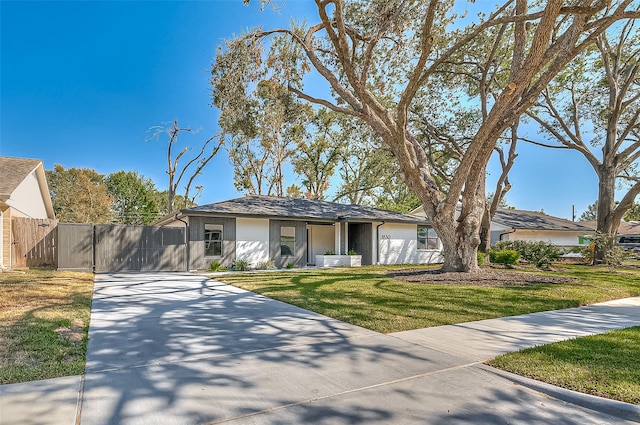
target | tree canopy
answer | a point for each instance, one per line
(79, 195)
(134, 198)
(82, 195)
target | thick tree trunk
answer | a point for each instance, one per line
(460, 239)
(460, 233)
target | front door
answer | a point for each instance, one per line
(360, 241)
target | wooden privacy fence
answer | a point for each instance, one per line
(33, 242)
(99, 248)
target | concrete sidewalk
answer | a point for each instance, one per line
(182, 349)
(485, 339)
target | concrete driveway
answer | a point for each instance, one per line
(184, 349)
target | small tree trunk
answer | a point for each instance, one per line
(485, 232)
(172, 194)
(606, 206)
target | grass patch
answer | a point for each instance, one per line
(367, 297)
(44, 321)
(606, 365)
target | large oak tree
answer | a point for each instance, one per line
(379, 56)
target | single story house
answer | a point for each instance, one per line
(23, 193)
(511, 224)
(288, 230)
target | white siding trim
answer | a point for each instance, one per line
(252, 240)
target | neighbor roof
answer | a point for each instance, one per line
(13, 171)
(309, 209)
(530, 220)
(625, 228)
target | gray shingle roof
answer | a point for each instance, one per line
(530, 220)
(13, 171)
(626, 227)
(272, 206)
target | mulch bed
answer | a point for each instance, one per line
(485, 277)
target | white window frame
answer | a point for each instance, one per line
(429, 241)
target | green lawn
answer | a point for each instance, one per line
(606, 365)
(44, 320)
(367, 297)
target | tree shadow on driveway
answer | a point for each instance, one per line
(176, 348)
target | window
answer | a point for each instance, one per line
(213, 240)
(427, 238)
(287, 241)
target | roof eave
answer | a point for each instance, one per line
(192, 213)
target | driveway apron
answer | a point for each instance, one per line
(184, 349)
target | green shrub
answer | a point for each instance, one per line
(481, 259)
(266, 265)
(614, 255)
(290, 265)
(214, 266)
(540, 253)
(241, 265)
(329, 252)
(504, 256)
(351, 252)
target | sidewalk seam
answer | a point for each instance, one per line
(80, 400)
(354, 390)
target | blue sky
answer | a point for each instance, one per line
(82, 82)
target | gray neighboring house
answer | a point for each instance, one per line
(508, 224)
(626, 228)
(628, 233)
(288, 230)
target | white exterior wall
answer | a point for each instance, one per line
(399, 245)
(558, 237)
(321, 239)
(26, 200)
(252, 240)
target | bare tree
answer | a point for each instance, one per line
(194, 166)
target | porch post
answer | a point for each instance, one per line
(346, 238)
